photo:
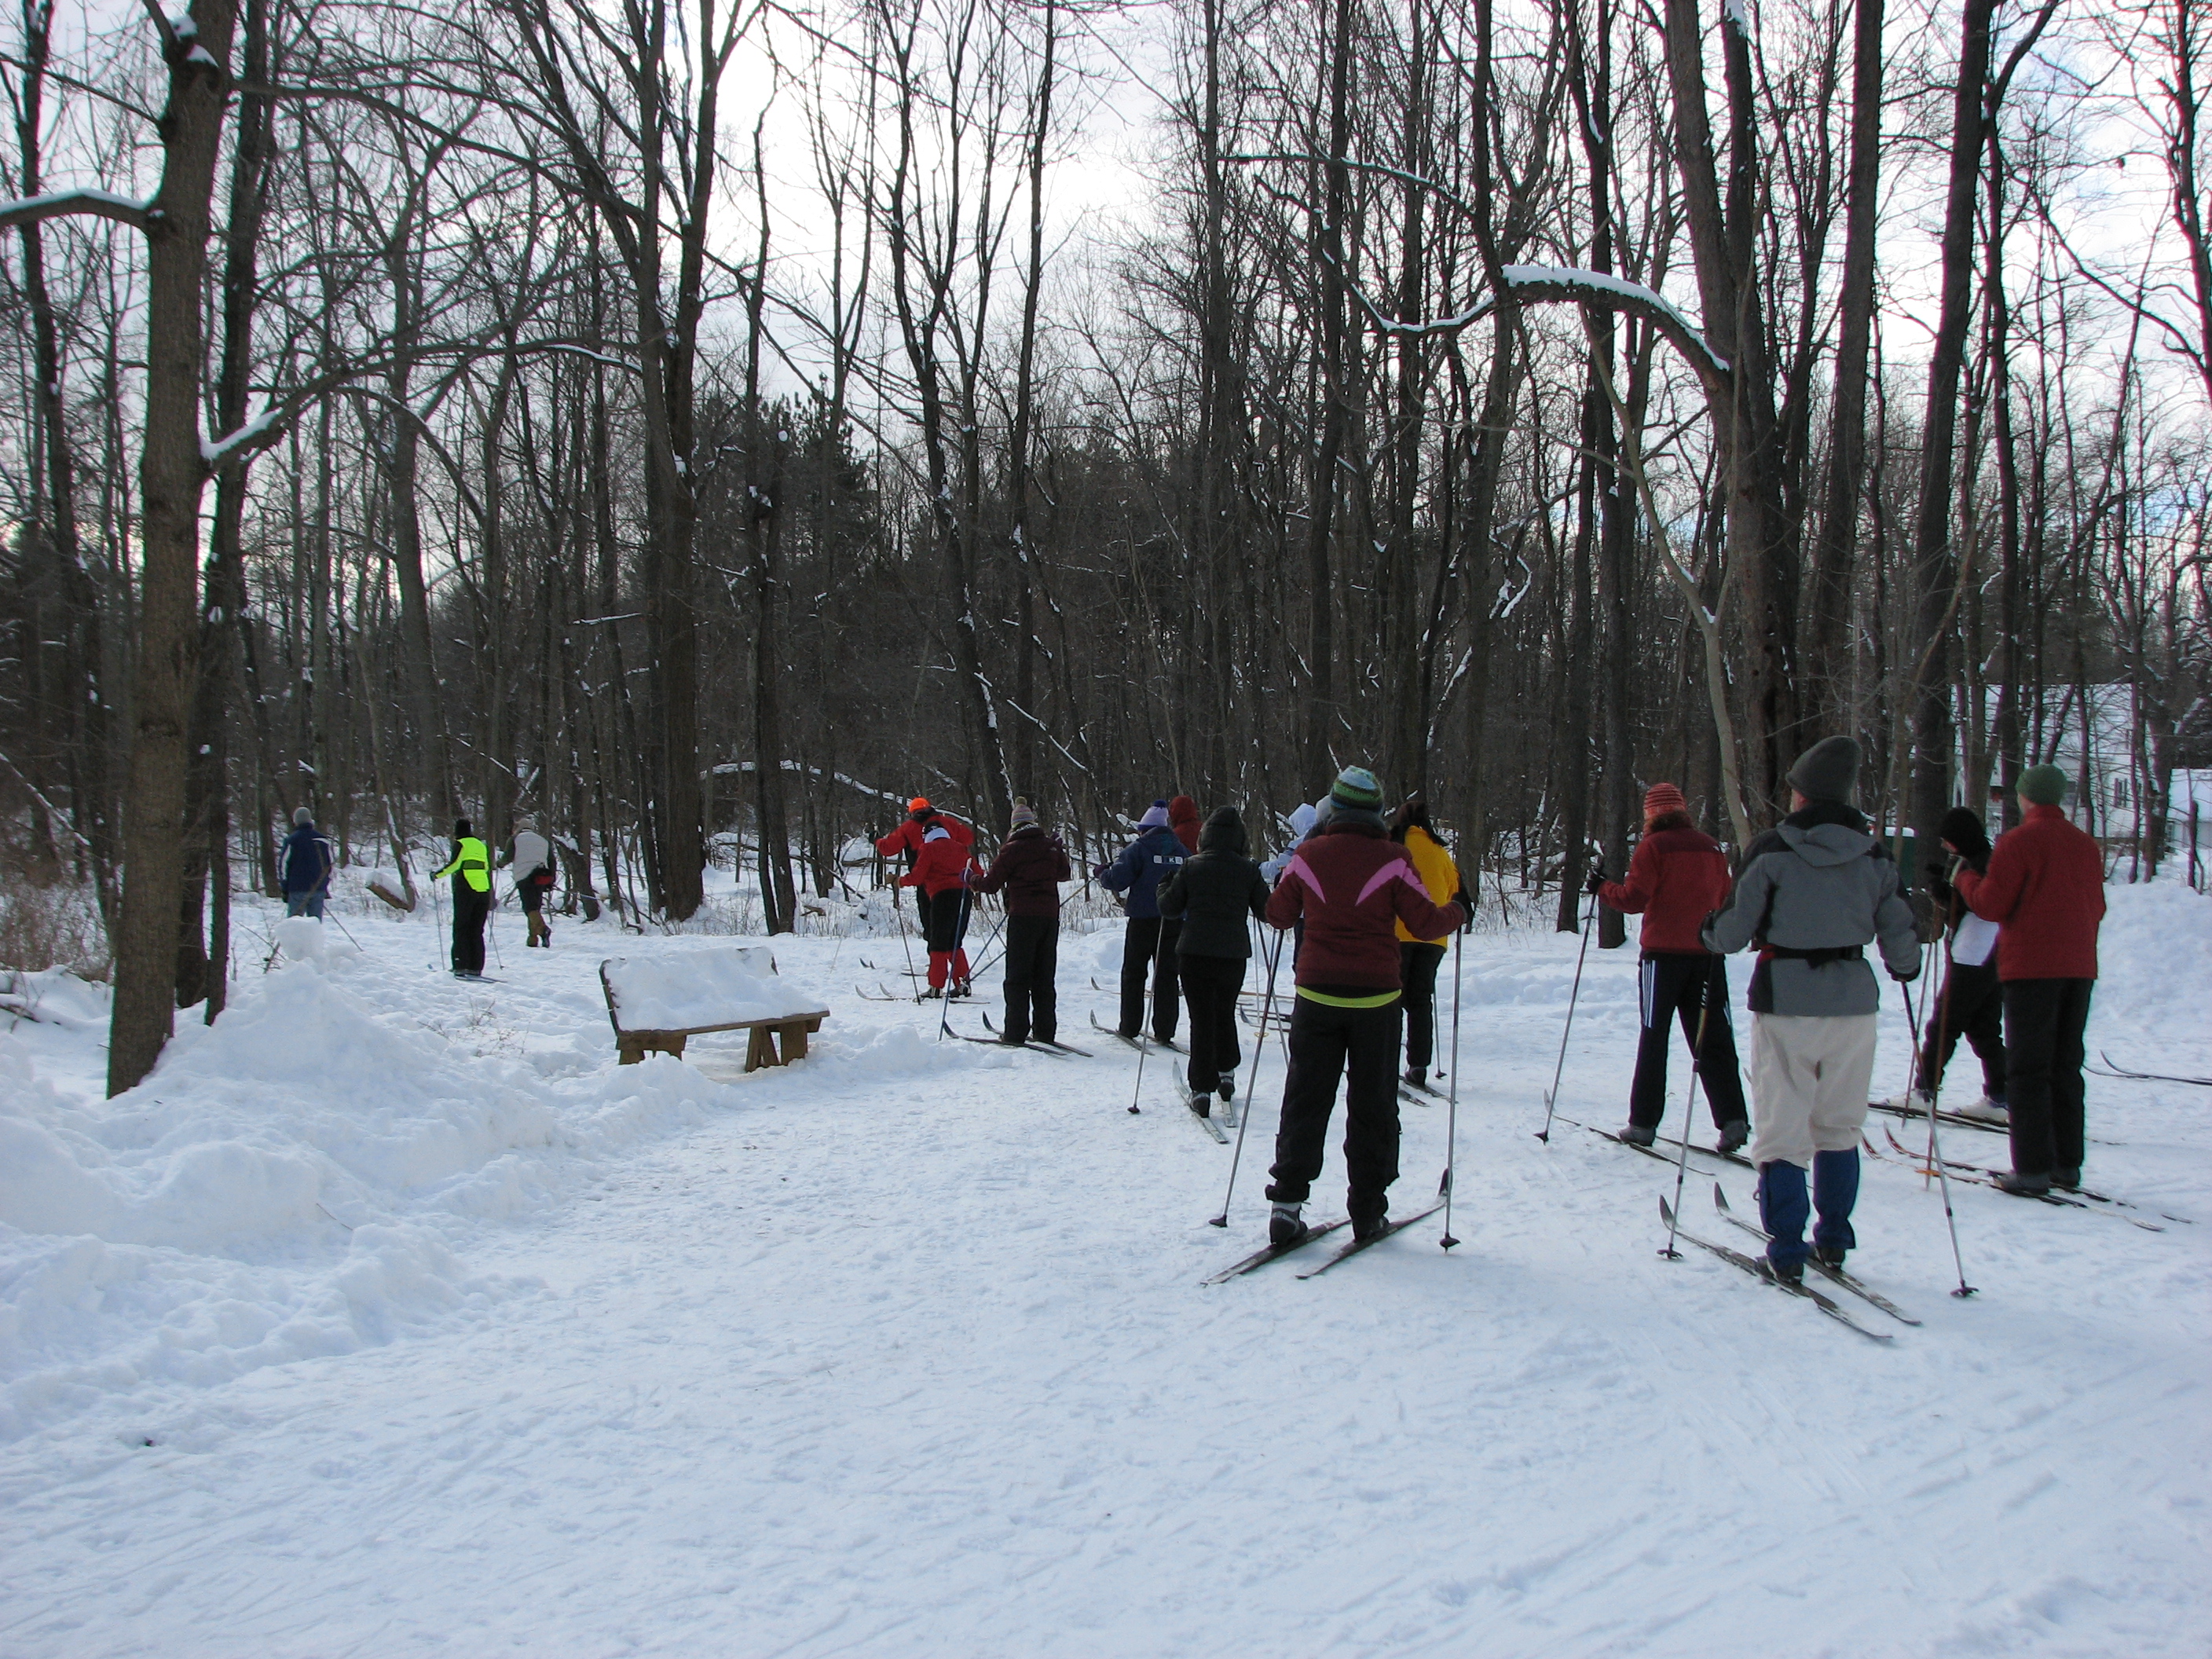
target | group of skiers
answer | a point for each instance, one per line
(2019, 922)
(1371, 901)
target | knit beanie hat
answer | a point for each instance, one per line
(525, 824)
(2043, 785)
(1963, 831)
(1023, 813)
(1357, 787)
(1829, 771)
(1156, 817)
(1661, 799)
(301, 815)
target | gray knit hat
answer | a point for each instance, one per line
(301, 815)
(2042, 786)
(1829, 771)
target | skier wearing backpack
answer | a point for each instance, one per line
(1030, 867)
(1148, 944)
(1212, 894)
(530, 856)
(1676, 879)
(1814, 891)
(1419, 958)
(1351, 885)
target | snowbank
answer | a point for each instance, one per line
(57, 996)
(684, 990)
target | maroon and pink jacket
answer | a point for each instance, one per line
(1352, 884)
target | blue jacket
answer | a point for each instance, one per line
(1144, 865)
(307, 859)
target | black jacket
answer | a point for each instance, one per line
(1216, 888)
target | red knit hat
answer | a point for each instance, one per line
(1661, 799)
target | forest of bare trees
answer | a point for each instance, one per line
(703, 423)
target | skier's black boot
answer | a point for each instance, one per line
(1284, 1226)
(1831, 1256)
(2022, 1185)
(1228, 1085)
(1417, 1076)
(1734, 1135)
(2069, 1179)
(1790, 1273)
(1370, 1226)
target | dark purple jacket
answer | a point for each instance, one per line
(1030, 866)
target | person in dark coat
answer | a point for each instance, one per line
(2045, 891)
(1352, 886)
(1028, 869)
(1149, 943)
(1212, 894)
(1676, 879)
(304, 866)
(1971, 1002)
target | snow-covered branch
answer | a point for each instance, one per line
(62, 204)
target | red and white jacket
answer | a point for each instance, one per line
(1353, 886)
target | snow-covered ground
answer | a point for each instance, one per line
(390, 1316)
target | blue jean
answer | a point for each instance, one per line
(304, 904)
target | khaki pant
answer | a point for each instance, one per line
(1808, 1084)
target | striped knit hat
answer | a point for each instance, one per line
(1023, 812)
(1661, 799)
(1357, 787)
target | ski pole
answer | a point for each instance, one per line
(1552, 1094)
(437, 915)
(1950, 1216)
(1145, 1035)
(1689, 1105)
(498, 960)
(1451, 1099)
(1934, 1081)
(1259, 1047)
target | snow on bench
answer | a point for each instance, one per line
(655, 1002)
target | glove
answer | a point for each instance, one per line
(1595, 880)
(1904, 978)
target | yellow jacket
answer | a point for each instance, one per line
(1439, 874)
(473, 859)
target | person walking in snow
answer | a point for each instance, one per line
(1971, 1001)
(1814, 891)
(303, 868)
(2045, 891)
(1030, 867)
(1211, 896)
(1351, 885)
(1183, 819)
(1418, 958)
(941, 872)
(1148, 943)
(530, 856)
(1677, 876)
(471, 869)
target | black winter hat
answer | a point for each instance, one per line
(1829, 771)
(1223, 832)
(1963, 831)
(460, 827)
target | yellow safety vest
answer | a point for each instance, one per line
(473, 859)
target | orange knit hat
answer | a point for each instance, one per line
(1661, 799)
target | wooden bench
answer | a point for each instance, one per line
(772, 1041)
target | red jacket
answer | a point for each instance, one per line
(1352, 886)
(1182, 818)
(1030, 866)
(943, 866)
(2045, 889)
(906, 838)
(1677, 878)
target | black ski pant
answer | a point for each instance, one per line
(1417, 968)
(1210, 985)
(1032, 960)
(1679, 986)
(1149, 946)
(470, 911)
(1972, 1006)
(2043, 1020)
(941, 918)
(1329, 1042)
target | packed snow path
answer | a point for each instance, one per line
(903, 1351)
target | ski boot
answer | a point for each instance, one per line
(1733, 1136)
(1284, 1226)
(1227, 1086)
(1417, 1076)
(1636, 1135)
(1989, 1109)
(2022, 1185)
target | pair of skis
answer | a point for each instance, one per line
(1759, 1268)
(2072, 1197)
(1259, 1259)
(1658, 1151)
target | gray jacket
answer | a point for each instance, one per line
(1818, 882)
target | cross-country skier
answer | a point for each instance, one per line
(1149, 942)
(1212, 894)
(941, 872)
(471, 869)
(1676, 879)
(1351, 885)
(906, 841)
(1030, 867)
(1815, 891)
(1417, 958)
(1971, 1002)
(2045, 891)
(304, 867)
(530, 855)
